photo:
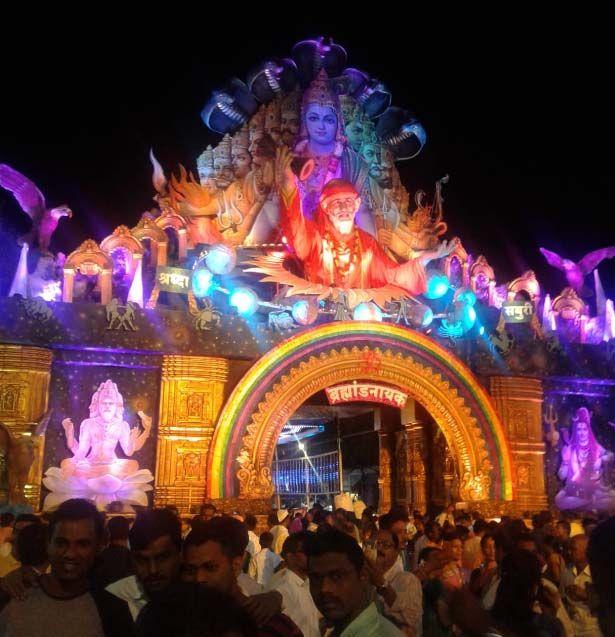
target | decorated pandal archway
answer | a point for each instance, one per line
(265, 399)
(160, 363)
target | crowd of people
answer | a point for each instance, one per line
(346, 572)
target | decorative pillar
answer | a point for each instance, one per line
(24, 394)
(518, 401)
(416, 478)
(191, 397)
(385, 478)
(183, 243)
(67, 285)
(106, 289)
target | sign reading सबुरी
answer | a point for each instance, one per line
(517, 311)
(173, 279)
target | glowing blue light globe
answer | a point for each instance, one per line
(202, 282)
(465, 314)
(481, 330)
(367, 312)
(465, 295)
(304, 312)
(245, 301)
(437, 285)
(419, 315)
(221, 259)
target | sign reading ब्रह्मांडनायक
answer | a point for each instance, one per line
(173, 279)
(366, 392)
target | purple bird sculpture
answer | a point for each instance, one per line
(576, 272)
(30, 198)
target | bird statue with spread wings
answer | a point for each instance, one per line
(576, 272)
(30, 198)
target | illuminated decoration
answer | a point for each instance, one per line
(148, 230)
(482, 280)
(176, 280)
(517, 311)
(411, 361)
(527, 284)
(600, 295)
(123, 239)
(367, 392)
(294, 431)
(609, 321)
(437, 285)
(367, 312)
(202, 282)
(583, 463)
(135, 294)
(576, 272)
(20, 280)
(89, 260)
(221, 259)
(244, 300)
(95, 472)
(307, 476)
(120, 316)
(305, 312)
(465, 295)
(548, 318)
(207, 317)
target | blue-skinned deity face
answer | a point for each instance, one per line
(321, 124)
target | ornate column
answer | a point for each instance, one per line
(385, 478)
(191, 397)
(416, 479)
(24, 393)
(519, 403)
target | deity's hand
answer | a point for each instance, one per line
(285, 178)
(446, 247)
(388, 239)
(566, 454)
(69, 428)
(146, 421)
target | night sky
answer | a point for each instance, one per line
(519, 114)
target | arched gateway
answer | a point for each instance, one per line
(278, 383)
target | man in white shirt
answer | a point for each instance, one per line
(335, 564)
(254, 546)
(400, 591)
(266, 560)
(279, 530)
(293, 584)
(447, 516)
(575, 583)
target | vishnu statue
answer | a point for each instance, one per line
(583, 468)
(95, 472)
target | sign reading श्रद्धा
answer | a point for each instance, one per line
(517, 312)
(173, 279)
(367, 392)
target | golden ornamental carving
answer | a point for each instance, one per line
(569, 306)
(527, 283)
(419, 381)
(89, 259)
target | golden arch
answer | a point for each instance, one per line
(251, 421)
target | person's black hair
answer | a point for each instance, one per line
(31, 545)
(463, 532)
(119, 528)
(266, 540)
(6, 519)
(483, 540)
(296, 542)
(27, 517)
(565, 525)
(272, 519)
(251, 522)
(502, 541)
(516, 595)
(173, 509)
(601, 558)
(433, 532)
(480, 526)
(450, 535)
(426, 552)
(229, 533)
(399, 512)
(208, 505)
(77, 509)
(525, 537)
(334, 541)
(153, 524)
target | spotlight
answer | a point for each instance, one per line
(221, 259)
(437, 285)
(304, 312)
(202, 282)
(245, 301)
(367, 312)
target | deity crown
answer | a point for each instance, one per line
(222, 151)
(241, 139)
(320, 92)
(107, 388)
(206, 158)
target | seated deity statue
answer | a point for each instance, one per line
(95, 472)
(583, 468)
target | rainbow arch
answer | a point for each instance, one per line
(252, 388)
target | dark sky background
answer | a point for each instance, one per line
(518, 112)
